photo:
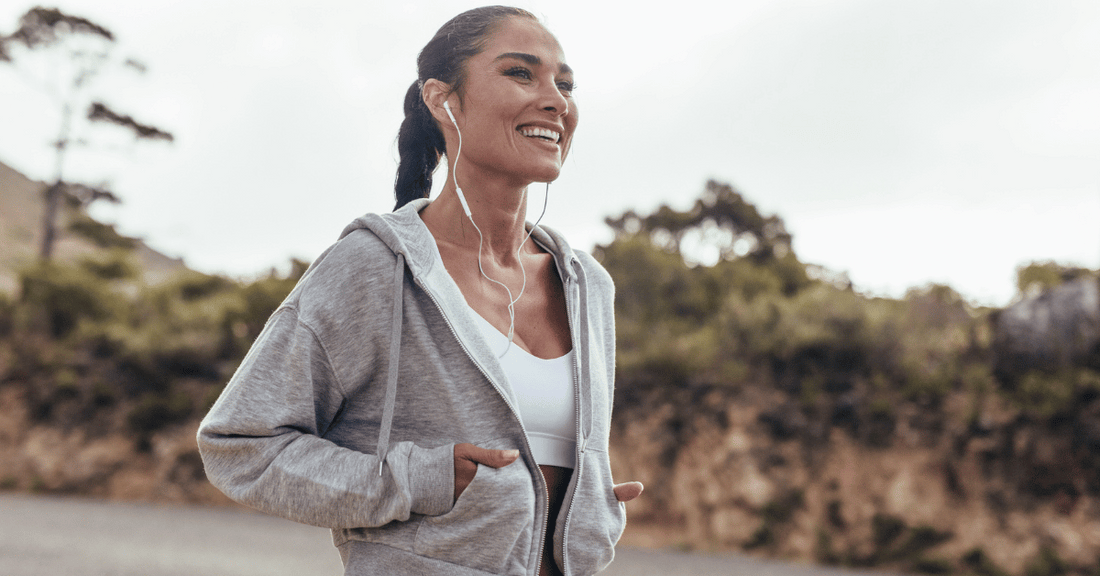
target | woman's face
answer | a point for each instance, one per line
(517, 112)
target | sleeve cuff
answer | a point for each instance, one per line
(432, 479)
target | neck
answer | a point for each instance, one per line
(499, 211)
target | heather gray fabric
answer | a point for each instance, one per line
(299, 429)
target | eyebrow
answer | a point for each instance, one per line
(532, 60)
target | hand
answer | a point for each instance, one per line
(468, 456)
(628, 491)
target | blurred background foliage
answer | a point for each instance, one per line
(717, 318)
(713, 309)
(759, 315)
(88, 341)
(711, 299)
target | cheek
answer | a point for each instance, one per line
(570, 127)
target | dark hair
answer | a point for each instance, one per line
(419, 140)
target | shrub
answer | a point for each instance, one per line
(1047, 563)
(155, 411)
(1042, 394)
(100, 234)
(67, 295)
(115, 265)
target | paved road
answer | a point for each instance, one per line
(42, 536)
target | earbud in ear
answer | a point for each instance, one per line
(447, 107)
(461, 196)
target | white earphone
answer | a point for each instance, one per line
(461, 196)
(453, 169)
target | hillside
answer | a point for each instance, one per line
(767, 406)
(21, 210)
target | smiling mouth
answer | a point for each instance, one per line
(540, 133)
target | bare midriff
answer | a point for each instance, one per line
(557, 483)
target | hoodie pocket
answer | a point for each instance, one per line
(491, 525)
(597, 519)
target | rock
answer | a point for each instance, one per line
(1055, 330)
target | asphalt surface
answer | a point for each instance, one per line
(42, 536)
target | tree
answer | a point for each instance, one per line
(721, 217)
(740, 246)
(1035, 278)
(82, 49)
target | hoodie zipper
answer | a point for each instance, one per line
(583, 443)
(527, 442)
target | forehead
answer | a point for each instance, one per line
(523, 35)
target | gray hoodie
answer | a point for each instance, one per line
(345, 413)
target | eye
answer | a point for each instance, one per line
(518, 72)
(567, 86)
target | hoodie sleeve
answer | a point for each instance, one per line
(262, 444)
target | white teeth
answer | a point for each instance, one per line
(534, 132)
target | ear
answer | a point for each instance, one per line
(435, 93)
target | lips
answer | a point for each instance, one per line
(541, 133)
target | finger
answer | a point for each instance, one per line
(628, 491)
(493, 458)
(465, 469)
(465, 451)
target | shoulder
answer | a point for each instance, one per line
(599, 287)
(579, 261)
(352, 274)
(356, 257)
(596, 274)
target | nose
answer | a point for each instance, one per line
(554, 101)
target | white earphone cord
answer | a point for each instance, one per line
(481, 237)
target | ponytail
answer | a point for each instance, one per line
(420, 144)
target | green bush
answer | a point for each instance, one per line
(62, 296)
(1047, 563)
(1037, 277)
(89, 335)
(100, 234)
(117, 264)
(155, 411)
(1044, 395)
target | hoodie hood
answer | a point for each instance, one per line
(406, 234)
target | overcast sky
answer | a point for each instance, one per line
(903, 142)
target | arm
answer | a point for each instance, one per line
(261, 443)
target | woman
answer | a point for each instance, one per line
(437, 388)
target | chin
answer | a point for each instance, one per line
(547, 175)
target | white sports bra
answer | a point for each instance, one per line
(544, 395)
